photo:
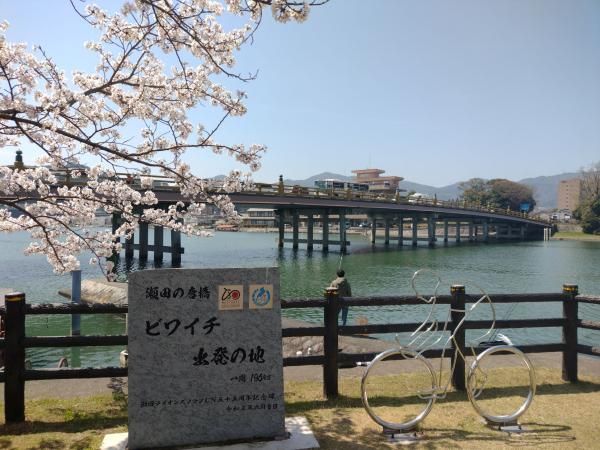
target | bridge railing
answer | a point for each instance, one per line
(164, 183)
(15, 342)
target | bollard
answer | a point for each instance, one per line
(569, 332)
(457, 314)
(14, 358)
(330, 344)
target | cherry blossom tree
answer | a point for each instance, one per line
(158, 60)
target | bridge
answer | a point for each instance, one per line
(400, 219)
(326, 212)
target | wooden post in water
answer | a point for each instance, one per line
(129, 243)
(330, 344)
(115, 224)
(415, 231)
(569, 332)
(158, 244)
(431, 230)
(14, 358)
(445, 231)
(325, 218)
(373, 229)
(281, 225)
(143, 255)
(400, 231)
(342, 218)
(310, 223)
(457, 314)
(295, 229)
(386, 239)
(175, 248)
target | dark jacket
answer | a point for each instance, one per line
(343, 287)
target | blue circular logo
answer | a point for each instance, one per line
(261, 296)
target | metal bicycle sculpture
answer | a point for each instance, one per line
(424, 338)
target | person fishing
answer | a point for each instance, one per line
(344, 290)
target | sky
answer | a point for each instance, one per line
(433, 91)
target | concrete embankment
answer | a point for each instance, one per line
(102, 291)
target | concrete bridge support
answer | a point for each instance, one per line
(143, 252)
(400, 231)
(158, 244)
(415, 231)
(342, 220)
(281, 226)
(386, 240)
(445, 231)
(295, 225)
(176, 248)
(431, 223)
(325, 220)
(486, 231)
(470, 231)
(457, 231)
(129, 249)
(373, 229)
(310, 223)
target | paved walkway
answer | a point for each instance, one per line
(589, 366)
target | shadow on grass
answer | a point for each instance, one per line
(342, 401)
(77, 424)
(340, 434)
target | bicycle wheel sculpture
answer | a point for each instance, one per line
(493, 401)
(394, 406)
(500, 393)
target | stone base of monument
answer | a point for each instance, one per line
(301, 437)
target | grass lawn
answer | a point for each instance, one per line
(575, 236)
(562, 416)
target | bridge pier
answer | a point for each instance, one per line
(373, 229)
(486, 231)
(415, 231)
(458, 225)
(143, 251)
(295, 229)
(325, 220)
(445, 231)
(342, 221)
(281, 226)
(129, 243)
(175, 247)
(431, 222)
(158, 244)
(471, 231)
(386, 240)
(400, 231)
(309, 232)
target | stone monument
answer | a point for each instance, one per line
(205, 362)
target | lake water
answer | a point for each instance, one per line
(521, 267)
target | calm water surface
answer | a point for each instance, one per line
(523, 267)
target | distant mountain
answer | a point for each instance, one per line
(442, 193)
(310, 182)
(545, 188)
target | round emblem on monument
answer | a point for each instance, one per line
(261, 296)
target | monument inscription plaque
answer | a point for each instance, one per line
(205, 362)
